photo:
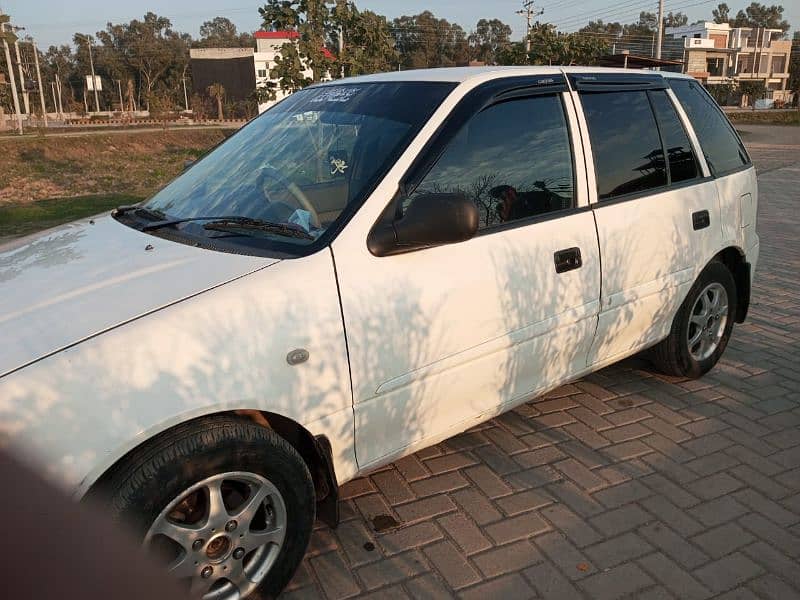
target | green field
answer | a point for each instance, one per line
(33, 216)
(765, 117)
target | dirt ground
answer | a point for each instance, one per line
(135, 163)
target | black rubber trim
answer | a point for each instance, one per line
(651, 192)
(614, 82)
(743, 291)
(328, 506)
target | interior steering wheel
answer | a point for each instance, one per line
(300, 198)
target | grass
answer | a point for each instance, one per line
(765, 117)
(35, 216)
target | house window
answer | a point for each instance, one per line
(262, 73)
(778, 64)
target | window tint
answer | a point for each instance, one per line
(682, 164)
(721, 147)
(628, 156)
(512, 159)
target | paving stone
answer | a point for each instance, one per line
(564, 555)
(728, 572)
(428, 587)
(339, 581)
(714, 486)
(626, 579)
(391, 570)
(673, 545)
(620, 520)
(515, 528)
(508, 586)
(524, 502)
(611, 552)
(451, 564)
(407, 538)
(570, 524)
(673, 577)
(465, 533)
(770, 587)
(550, 583)
(507, 558)
(717, 511)
(722, 540)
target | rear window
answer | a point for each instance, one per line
(721, 146)
(682, 164)
(628, 156)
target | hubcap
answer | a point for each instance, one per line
(243, 518)
(707, 321)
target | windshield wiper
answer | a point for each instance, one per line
(156, 215)
(222, 223)
(228, 224)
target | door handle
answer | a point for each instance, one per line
(700, 220)
(567, 260)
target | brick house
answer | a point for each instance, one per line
(717, 53)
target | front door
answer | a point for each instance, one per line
(443, 337)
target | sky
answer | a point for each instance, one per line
(54, 21)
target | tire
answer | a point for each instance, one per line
(240, 459)
(674, 356)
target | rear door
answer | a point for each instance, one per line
(442, 337)
(657, 213)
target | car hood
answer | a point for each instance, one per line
(69, 283)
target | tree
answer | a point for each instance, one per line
(149, 51)
(217, 92)
(311, 20)
(721, 13)
(289, 69)
(677, 19)
(489, 39)
(612, 29)
(425, 41)
(549, 47)
(220, 32)
(761, 15)
(368, 45)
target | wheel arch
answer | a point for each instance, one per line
(734, 258)
(315, 451)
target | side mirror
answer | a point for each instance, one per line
(430, 220)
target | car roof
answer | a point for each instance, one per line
(462, 74)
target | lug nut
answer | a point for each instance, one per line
(206, 572)
(197, 544)
(238, 553)
(230, 525)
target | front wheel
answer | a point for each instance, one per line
(702, 327)
(226, 505)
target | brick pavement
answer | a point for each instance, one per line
(624, 484)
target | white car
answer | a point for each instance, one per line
(371, 266)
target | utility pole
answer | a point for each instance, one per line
(11, 73)
(119, 87)
(22, 85)
(660, 27)
(91, 67)
(39, 79)
(529, 12)
(185, 95)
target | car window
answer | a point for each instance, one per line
(628, 156)
(512, 159)
(301, 167)
(721, 146)
(680, 156)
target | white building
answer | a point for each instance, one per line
(268, 48)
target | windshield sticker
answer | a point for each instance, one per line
(338, 166)
(335, 94)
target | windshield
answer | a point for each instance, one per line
(300, 165)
